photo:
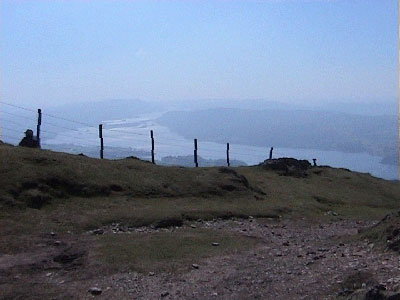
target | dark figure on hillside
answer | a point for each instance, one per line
(315, 162)
(270, 152)
(29, 140)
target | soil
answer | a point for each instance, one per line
(297, 259)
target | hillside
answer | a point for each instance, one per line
(305, 129)
(134, 229)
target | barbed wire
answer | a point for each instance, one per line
(66, 135)
(18, 116)
(17, 106)
(68, 128)
(10, 129)
(15, 123)
(139, 137)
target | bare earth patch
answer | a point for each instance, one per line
(292, 259)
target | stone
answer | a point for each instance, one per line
(95, 291)
(215, 244)
(195, 266)
(332, 213)
(164, 294)
(287, 166)
(98, 231)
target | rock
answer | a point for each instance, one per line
(98, 231)
(332, 213)
(215, 244)
(169, 222)
(193, 226)
(323, 249)
(287, 166)
(195, 266)
(164, 294)
(57, 243)
(52, 233)
(151, 273)
(95, 291)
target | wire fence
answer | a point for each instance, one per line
(112, 141)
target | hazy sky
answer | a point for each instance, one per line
(63, 51)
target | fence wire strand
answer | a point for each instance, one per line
(114, 134)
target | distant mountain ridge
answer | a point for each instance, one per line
(375, 135)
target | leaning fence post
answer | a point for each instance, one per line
(227, 154)
(270, 152)
(152, 146)
(195, 153)
(39, 123)
(101, 141)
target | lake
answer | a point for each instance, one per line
(135, 133)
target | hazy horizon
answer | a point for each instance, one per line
(301, 52)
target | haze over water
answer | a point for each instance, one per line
(135, 133)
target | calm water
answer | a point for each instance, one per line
(135, 133)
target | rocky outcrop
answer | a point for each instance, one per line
(286, 166)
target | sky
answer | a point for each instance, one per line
(57, 52)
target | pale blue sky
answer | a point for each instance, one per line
(66, 51)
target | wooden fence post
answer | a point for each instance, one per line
(152, 146)
(270, 152)
(195, 154)
(39, 123)
(227, 154)
(101, 141)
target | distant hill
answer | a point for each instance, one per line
(292, 129)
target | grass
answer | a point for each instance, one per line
(83, 193)
(167, 251)
(44, 191)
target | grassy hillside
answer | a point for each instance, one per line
(55, 207)
(77, 193)
(36, 178)
(137, 192)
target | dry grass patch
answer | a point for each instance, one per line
(168, 250)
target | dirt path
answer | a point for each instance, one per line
(296, 260)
